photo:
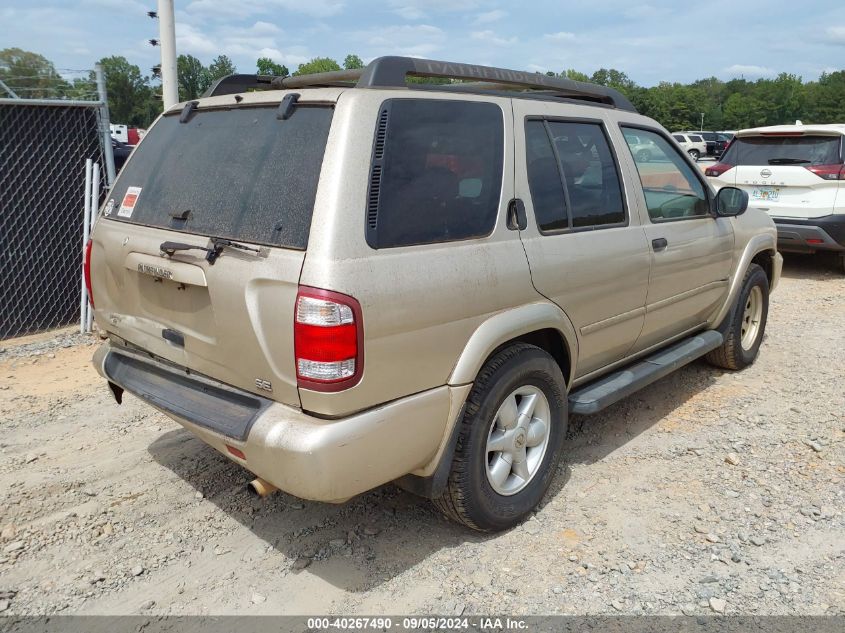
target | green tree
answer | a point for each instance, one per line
(317, 65)
(267, 66)
(220, 67)
(352, 61)
(825, 99)
(31, 76)
(128, 91)
(193, 77)
(573, 74)
(613, 78)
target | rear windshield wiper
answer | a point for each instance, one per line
(788, 161)
(211, 252)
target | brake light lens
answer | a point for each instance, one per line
(86, 271)
(828, 172)
(328, 340)
(717, 170)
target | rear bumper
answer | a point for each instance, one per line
(307, 456)
(810, 235)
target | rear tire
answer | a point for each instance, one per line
(506, 454)
(643, 156)
(694, 154)
(747, 325)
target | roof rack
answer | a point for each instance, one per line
(391, 72)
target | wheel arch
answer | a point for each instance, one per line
(761, 249)
(542, 324)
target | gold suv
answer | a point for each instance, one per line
(347, 279)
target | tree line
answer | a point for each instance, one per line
(135, 98)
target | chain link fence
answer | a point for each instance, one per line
(43, 149)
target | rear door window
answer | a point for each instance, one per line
(436, 172)
(572, 176)
(237, 173)
(784, 150)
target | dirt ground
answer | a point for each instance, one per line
(709, 491)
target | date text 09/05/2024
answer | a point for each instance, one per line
(418, 622)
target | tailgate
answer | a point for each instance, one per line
(240, 174)
(786, 173)
(787, 191)
(232, 321)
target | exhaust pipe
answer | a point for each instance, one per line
(261, 488)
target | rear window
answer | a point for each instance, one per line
(236, 173)
(784, 150)
(436, 172)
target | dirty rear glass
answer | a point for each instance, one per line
(783, 150)
(237, 173)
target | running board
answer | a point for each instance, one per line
(622, 383)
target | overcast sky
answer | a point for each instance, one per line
(658, 40)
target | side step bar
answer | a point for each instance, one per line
(605, 391)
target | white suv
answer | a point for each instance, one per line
(693, 144)
(796, 173)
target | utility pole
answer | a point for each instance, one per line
(167, 40)
(701, 129)
(108, 153)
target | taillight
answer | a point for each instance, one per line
(328, 340)
(828, 172)
(86, 271)
(717, 170)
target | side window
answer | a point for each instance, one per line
(671, 188)
(679, 138)
(437, 172)
(572, 163)
(590, 175)
(544, 180)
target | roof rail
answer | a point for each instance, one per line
(391, 72)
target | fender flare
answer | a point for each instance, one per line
(760, 243)
(507, 325)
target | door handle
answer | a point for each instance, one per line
(517, 220)
(659, 243)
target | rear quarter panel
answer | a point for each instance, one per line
(420, 304)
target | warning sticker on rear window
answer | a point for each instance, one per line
(129, 200)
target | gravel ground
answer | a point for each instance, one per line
(707, 492)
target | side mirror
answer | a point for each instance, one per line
(731, 202)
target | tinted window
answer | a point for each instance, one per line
(671, 188)
(696, 139)
(784, 150)
(544, 180)
(437, 177)
(242, 173)
(590, 174)
(572, 162)
(679, 138)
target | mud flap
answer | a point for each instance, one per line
(117, 391)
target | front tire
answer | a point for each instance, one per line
(510, 440)
(748, 323)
